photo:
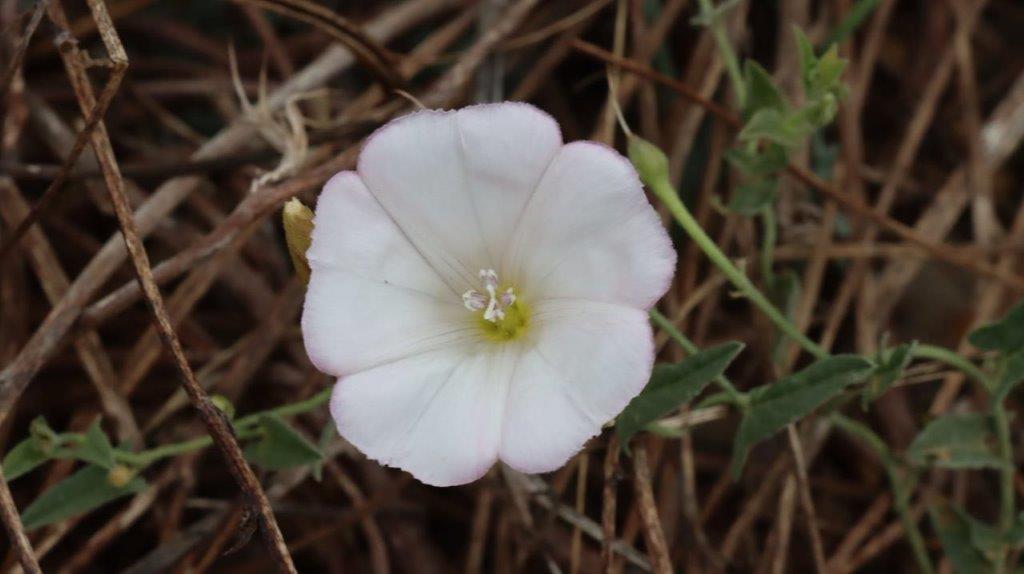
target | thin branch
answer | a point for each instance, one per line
(806, 501)
(216, 423)
(854, 205)
(654, 536)
(15, 531)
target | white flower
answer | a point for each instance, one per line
(481, 291)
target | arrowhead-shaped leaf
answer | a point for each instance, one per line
(955, 534)
(672, 385)
(81, 492)
(96, 448)
(24, 457)
(1006, 334)
(761, 90)
(751, 197)
(956, 441)
(790, 399)
(890, 369)
(1011, 375)
(280, 447)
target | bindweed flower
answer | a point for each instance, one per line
(481, 291)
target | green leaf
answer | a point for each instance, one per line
(672, 385)
(25, 456)
(891, 365)
(788, 400)
(40, 429)
(761, 90)
(819, 112)
(1006, 334)
(808, 61)
(1011, 374)
(81, 492)
(986, 539)
(755, 163)
(788, 129)
(96, 448)
(716, 13)
(280, 447)
(955, 534)
(751, 197)
(956, 441)
(827, 74)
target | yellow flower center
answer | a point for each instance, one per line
(501, 315)
(512, 325)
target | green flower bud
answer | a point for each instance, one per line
(225, 405)
(648, 159)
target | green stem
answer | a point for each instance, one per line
(901, 491)
(738, 397)
(853, 20)
(954, 360)
(1007, 502)
(244, 429)
(1006, 495)
(667, 194)
(148, 457)
(771, 234)
(288, 410)
(732, 63)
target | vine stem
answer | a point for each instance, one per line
(732, 63)
(771, 233)
(954, 360)
(1007, 503)
(1006, 494)
(663, 189)
(900, 492)
(244, 428)
(738, 397)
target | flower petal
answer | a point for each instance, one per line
(371, 296)
(350, 323)
(590, 233)
(587, 362)
(351, 231)
(456, 182)
(436, 415)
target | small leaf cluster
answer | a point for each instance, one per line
(970, 544)
(960, 441)
(109, 473)
(773, 127)
(972, 441)
(766, 409)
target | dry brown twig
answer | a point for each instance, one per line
(377, 59)
(654, 536)
(19, 53)
(15, 530)
(854, 205)
(212, 417)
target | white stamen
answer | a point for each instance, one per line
(489, 278)
(492, 303)
(508, 297)
(474, 300)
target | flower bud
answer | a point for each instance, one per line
(648, 159)
(120, 475)
(224, 405)
(298, 226)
